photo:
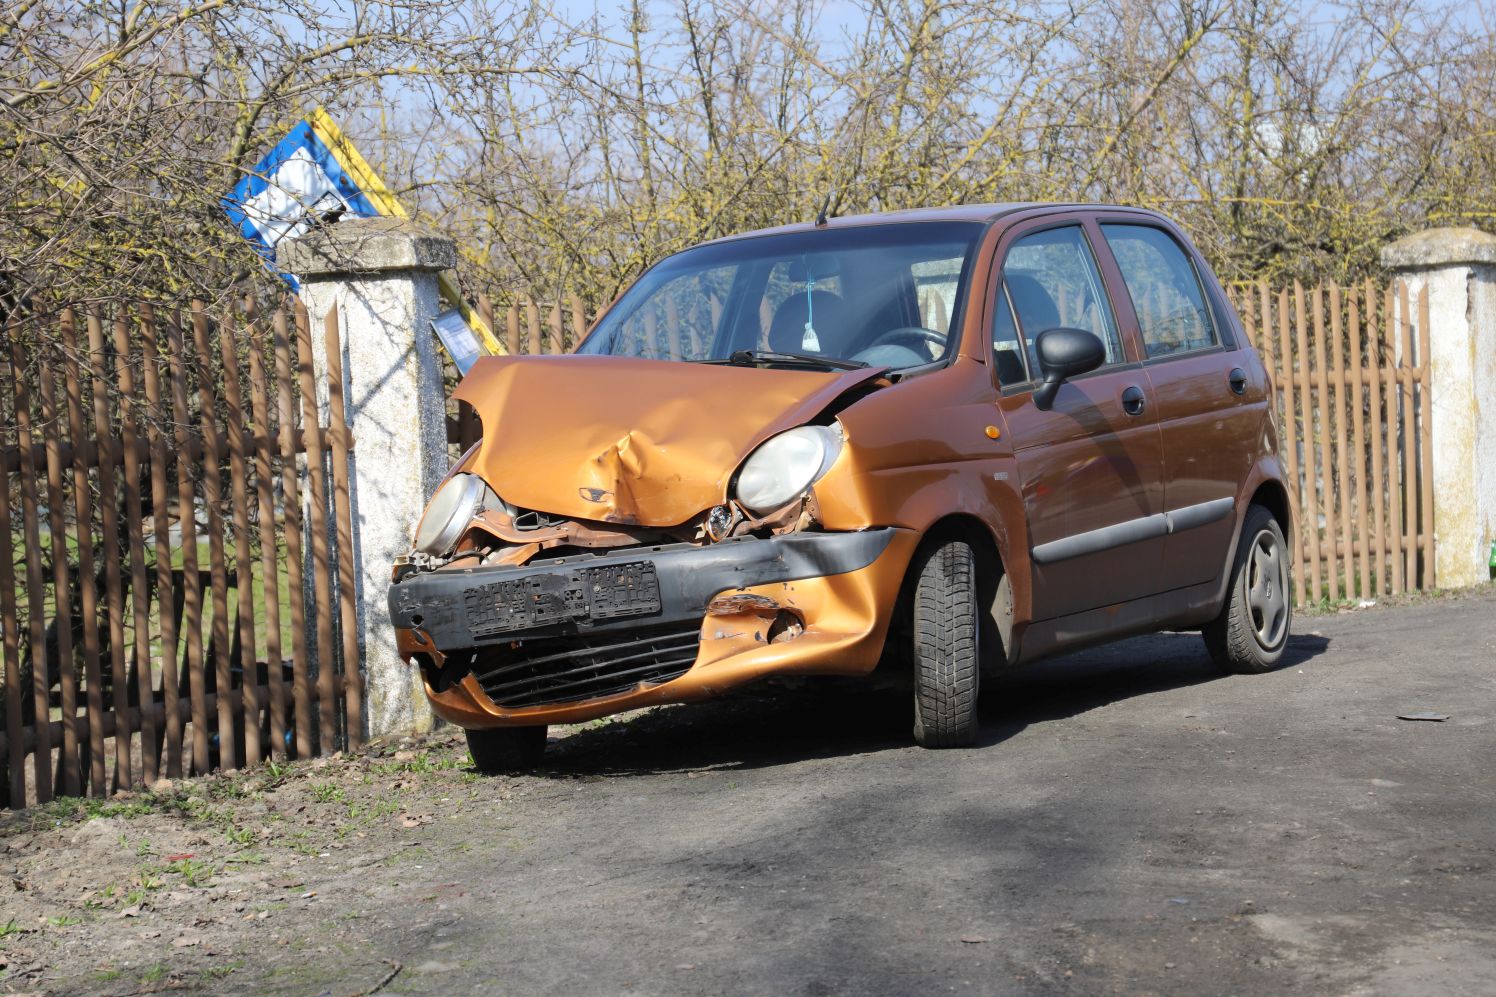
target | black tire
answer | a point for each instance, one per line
(1249, 636)
(947, 661)
(501, 750)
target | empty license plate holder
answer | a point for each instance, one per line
(580, 595)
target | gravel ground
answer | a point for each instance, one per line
(1132, 822)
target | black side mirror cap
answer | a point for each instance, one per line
(1065, 353)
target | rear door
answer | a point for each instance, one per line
(1092, 464)
(1206, 411)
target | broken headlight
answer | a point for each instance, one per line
(784, 466)
(448, 513)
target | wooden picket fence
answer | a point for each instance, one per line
(1350, 368)
(167, 607)
(530, 325)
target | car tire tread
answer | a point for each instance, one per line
(946, 667)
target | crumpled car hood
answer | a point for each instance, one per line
(622, 440)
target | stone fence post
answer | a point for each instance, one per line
(1458, 267)
(380, 273)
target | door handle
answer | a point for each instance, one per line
(1238, 380)
(1133, 400)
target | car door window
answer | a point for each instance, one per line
(1165, 290)
(1052, 281)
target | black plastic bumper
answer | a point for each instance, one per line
(615, 589)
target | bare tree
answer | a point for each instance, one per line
(566, 157)
(121, 124)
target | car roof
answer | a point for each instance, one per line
(952, 213)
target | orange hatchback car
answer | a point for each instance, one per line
(948, 441)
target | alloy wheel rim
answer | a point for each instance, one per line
(1267, 589)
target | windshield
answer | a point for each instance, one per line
(880, 296)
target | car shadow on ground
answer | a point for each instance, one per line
(1075, 683)
(768, 726)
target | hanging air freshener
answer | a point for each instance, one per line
(810, 342)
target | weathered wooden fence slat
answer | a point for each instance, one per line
(337, 421)
(10, 646)
(1426, 445)
(1358, 443)
(35, 608)
(140, 600)
(321, 568)
(269, 561)
(166, 588)
(245, 655)
(217, 573)
(62, 588)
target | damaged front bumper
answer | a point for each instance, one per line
(571, 638)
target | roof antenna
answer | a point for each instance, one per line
(825, 207)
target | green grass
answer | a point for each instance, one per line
(194, 872)
(327, 792)
(424, 763)
(71, 809)
(219, 972)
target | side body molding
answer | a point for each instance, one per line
(1133, 530)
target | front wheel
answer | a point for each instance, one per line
(947, 662)
(501, 750)
(1252, 630)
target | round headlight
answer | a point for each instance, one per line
(786, 465)
(448, 513)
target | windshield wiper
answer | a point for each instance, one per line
(753, 358)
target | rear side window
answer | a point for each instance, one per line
(1165, 290)
(1052, 281)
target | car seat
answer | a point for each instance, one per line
(828, 315)
(1036, 312)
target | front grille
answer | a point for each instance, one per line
(547, 670)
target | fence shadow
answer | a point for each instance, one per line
(766, 727)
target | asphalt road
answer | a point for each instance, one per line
(1132, 822)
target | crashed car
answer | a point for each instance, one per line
(946, 441)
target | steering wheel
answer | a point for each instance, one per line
(912, 336)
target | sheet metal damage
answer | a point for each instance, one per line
(629, 562)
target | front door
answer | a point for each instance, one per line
(1092, 464)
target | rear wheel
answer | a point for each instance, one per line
(500, 750)
(947, 669)
(1252, 630)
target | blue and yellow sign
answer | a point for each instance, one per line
(313, 174)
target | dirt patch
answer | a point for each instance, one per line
(180, 886)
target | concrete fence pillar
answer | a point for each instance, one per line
(380, 273)
(1458, 268)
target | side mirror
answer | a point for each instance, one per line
(1065, 353)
